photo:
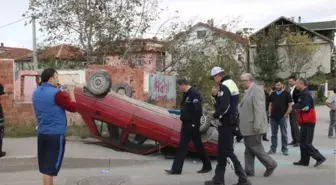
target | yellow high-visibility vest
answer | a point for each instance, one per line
(232, 87)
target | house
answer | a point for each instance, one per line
(321, 34)
(22, 56)
(210, 40)
(62, 56)
(145, 53)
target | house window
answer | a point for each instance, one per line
(201, 34)
(160, 63)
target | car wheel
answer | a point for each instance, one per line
(123, 89)
(99, 83)
(205, 122)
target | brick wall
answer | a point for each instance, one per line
(118, 74)
(15, 113)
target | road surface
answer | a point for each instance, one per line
(84, 163)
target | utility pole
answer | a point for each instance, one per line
(34, 44)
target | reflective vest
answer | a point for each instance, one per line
(232, 87)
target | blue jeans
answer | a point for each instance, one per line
(275, 124)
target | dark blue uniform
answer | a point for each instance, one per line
(226, 130)
(2, 123)
(191, 113)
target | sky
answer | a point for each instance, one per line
(250, 13)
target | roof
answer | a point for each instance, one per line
(15, 53)
(63, 51)
(234, 36)
(297, 24)
(324, 25)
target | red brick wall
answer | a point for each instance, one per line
(118, 74)
(15, 113)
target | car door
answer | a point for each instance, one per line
(112, 117)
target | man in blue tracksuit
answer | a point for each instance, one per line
(50, 105)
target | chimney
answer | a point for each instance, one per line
(2, 44)
(292, 18)
(299, 19)
(210, 22)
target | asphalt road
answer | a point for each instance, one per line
(84, 163)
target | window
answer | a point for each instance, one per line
(138, 144)
(107, 130)
(201, 34)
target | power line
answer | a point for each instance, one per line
(13, 22)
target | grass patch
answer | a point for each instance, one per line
(21, 131)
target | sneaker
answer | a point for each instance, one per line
(270, 152)
(331, 137)
(285, 153)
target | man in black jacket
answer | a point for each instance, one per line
(295, 93)
(267, 102)
(191, 113)
(226, 128)
(2, 123)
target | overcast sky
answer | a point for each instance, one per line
(251, 13)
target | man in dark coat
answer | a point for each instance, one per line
(2, 123)
(267, 102)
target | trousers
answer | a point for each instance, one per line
(306, 146)
(295, 131)
(2, 130)
(225, 150)
(190, 133)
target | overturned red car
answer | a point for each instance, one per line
(130, 124)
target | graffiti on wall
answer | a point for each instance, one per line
(161, 87)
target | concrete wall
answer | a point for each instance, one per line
(321, 60)
(162, 88)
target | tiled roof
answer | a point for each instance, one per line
(15, 53)
(63, 51)
(324, 25)
(234, 36)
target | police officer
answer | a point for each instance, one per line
(2, 123)
(191, 113)
(226, 113)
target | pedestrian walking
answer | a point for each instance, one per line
(191, 113)
(2, 123)
(331, 103)
(267, 95)
(279, 109)
(307, 119)
(253, 125)
(226, 114)
(295, 131)
(50, 104)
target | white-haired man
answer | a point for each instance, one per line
(253, 125)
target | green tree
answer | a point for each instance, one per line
(300, 50)
(268, 61)
(91, 21)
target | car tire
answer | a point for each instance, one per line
(123, 88)
(205, 122)
(99, 83)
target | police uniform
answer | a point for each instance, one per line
(191, 113)
(2, 123)
(226, 130)
(234, 101)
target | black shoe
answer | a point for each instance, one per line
(173, 172)
(245, 182)
(292, 143)
(213, 183)
(2, 154)
(318, 163)
(238, 139)
(300, 164)
(296, 144)
(265, 139)
(269, 172)
(205, 170)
